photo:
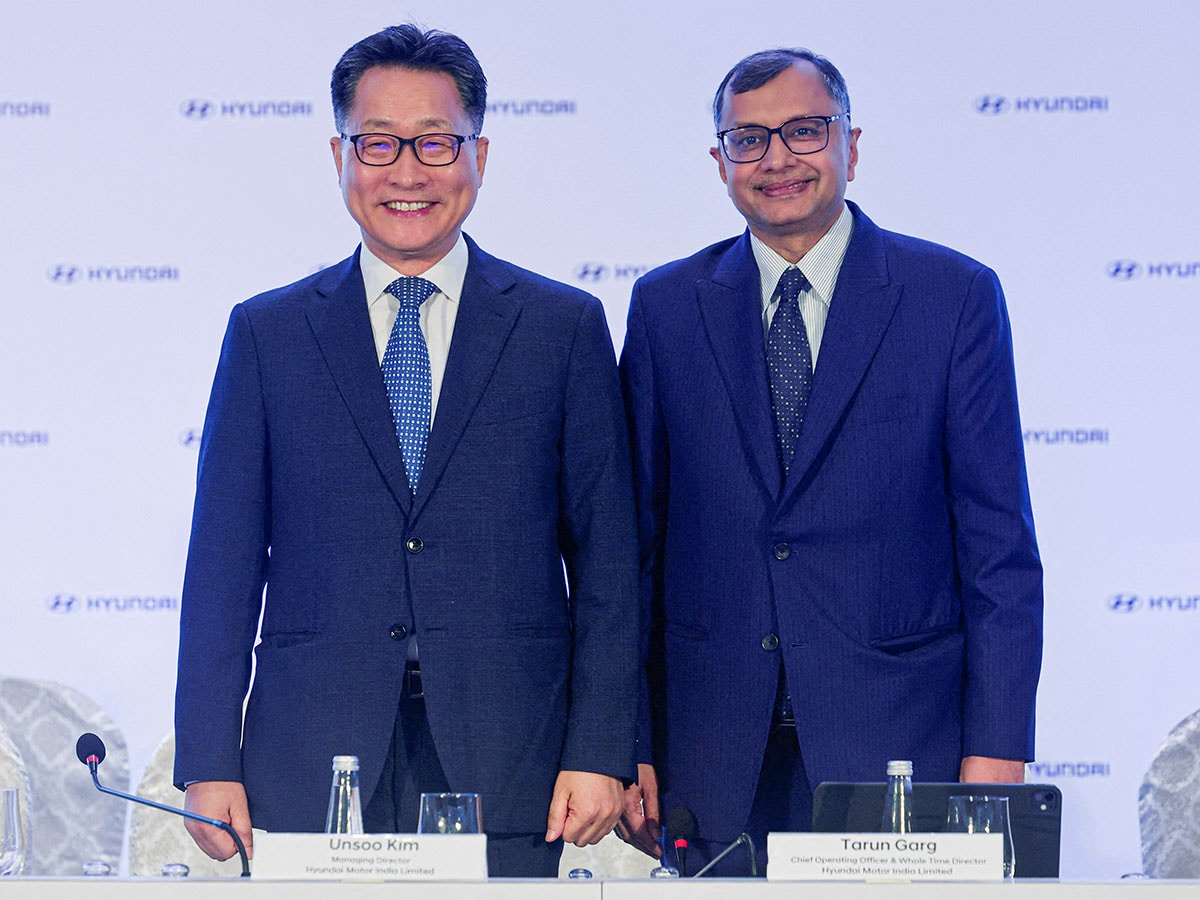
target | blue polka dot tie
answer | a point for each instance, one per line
(789, 364)
(406, 374)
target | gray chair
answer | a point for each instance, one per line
(1169, 805)
(14, 775)
(69, 821)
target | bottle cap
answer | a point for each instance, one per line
(899, 767)
(350, 763)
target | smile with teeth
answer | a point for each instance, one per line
(782, 187)
(406, 206)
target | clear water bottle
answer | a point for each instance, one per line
(897, 804)
(345, 802)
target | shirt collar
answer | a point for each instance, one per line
(820, 265)
(448, 273)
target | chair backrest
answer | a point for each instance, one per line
(157, 837)
(14, 775)
(1169, 805)
(70, 822)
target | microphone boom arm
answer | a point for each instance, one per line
(742, 838)
(93, 766)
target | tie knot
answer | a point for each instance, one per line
(411, 290)
(791, 283)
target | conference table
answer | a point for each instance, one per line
(644, 889)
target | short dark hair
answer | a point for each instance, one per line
(758, 68)
(408, 47)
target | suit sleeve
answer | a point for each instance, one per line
(651, 479)
(996, 548)
(226, 567)
(598, 544)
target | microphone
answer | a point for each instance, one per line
(680, 827)
(90, 750)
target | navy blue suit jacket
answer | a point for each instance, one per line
(895, 574)
(302, 488)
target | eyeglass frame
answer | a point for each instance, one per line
(408, 142)
(828, 120)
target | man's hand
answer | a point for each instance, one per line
(225, 800)
(639, 824)
(989, 769)
(584, 808)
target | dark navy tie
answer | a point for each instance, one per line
(406, 374)
(789, 364)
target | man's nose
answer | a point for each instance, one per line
(407, 168)
(778, 154)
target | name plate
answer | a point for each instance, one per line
(370, 857)
(885, 857)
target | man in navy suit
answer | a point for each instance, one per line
(416, 612)
(838, 558)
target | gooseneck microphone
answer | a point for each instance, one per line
(742, 839)
(90, 750)
(680, 826)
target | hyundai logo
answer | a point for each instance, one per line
(63, 604)
(591, 272)
(64, 273)
(1123, 269)
(190, 437)
(1124, 603)
(197, 109)
(991, 104)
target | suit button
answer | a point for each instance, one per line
(414, 545)
(782, 550)
(770, 642)
(398, 632)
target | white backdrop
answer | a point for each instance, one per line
(161, 163)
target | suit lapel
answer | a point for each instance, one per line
(731, 308)
(342, 328)
(863, 304)
(486, 315)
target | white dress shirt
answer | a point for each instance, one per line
(438, 313)
(820, 266)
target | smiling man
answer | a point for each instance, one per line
(838, 558)
(402, 456)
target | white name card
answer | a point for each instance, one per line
(370, 857)
(885, 857)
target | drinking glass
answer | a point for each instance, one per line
(980, 814)
(450, 814)
(12, 848)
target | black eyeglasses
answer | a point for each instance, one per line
(750, 143)
(376, 149)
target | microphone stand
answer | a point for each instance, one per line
(93, 764)
(742, 838)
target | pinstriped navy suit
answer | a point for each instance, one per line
(302, 488)
(894, 575)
